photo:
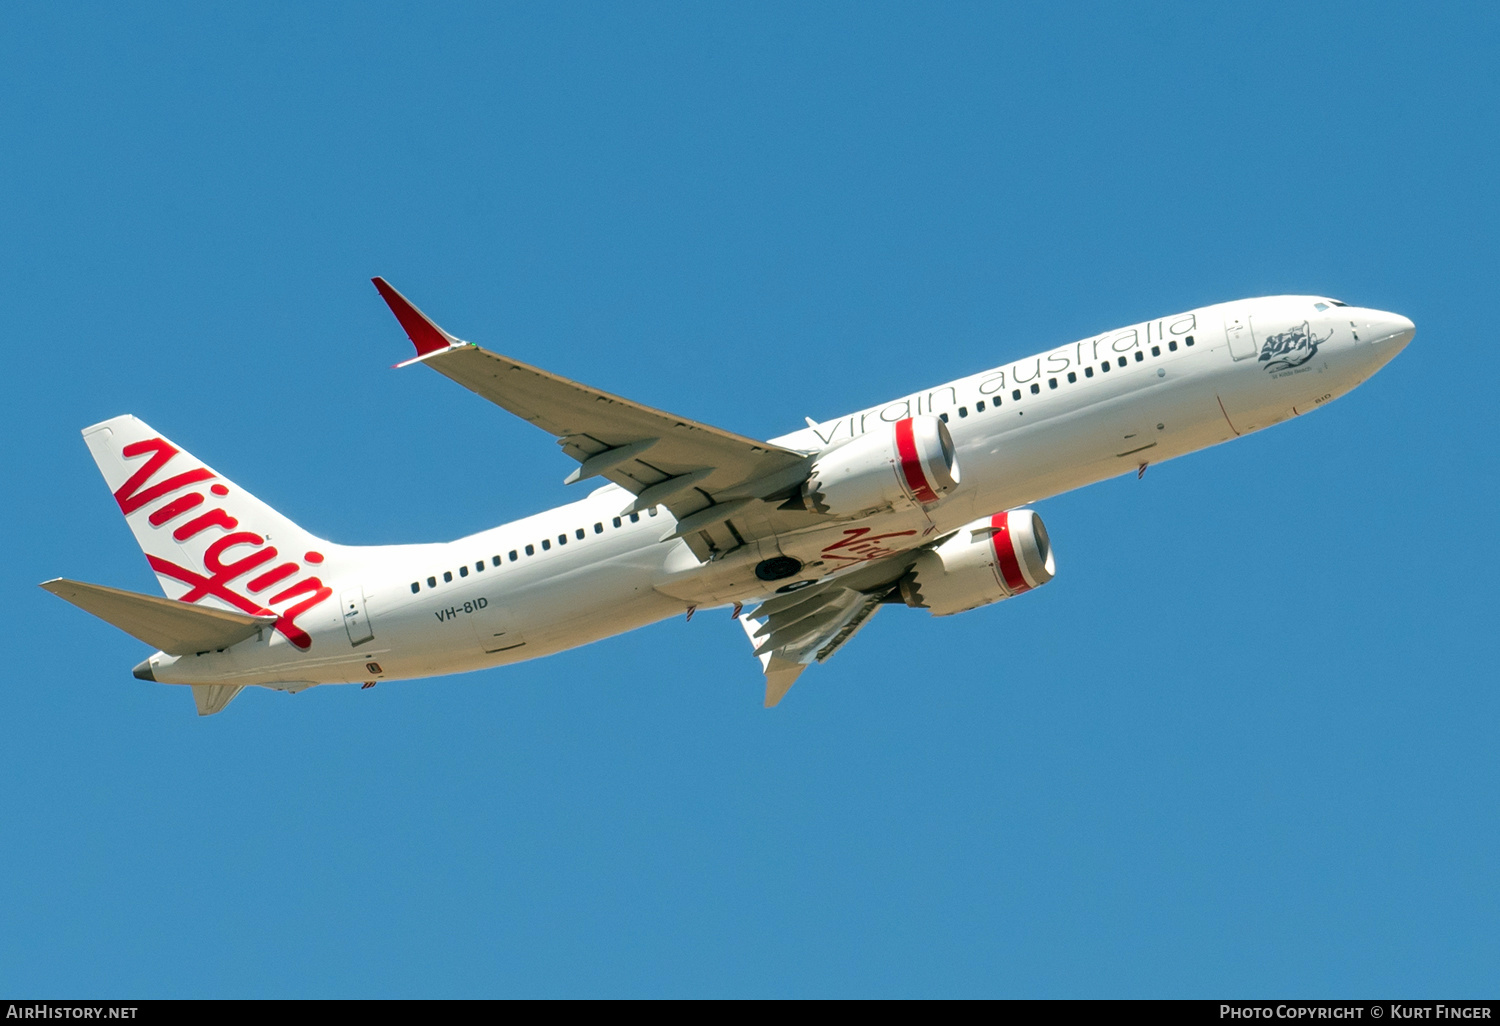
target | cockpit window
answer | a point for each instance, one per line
(1320, 306)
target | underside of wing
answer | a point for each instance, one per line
(790, 632)
(717, 484)
(212, 698)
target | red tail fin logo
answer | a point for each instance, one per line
(221, 568)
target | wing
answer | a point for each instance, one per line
(711, 480)
(790, 632)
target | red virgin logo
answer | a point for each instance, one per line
(858, 545)
(220, 567)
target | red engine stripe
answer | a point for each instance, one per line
(911, 464)
(1005, 555)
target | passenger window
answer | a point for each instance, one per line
(1015, 394)
(432, 582)
(599, 528)
(1051, 382)
(653, 511)
(1189, 340)
(578, 534)
(963, 411)
(1104, 366)
(479, 566)
(1156, 350)
(447, 576)
(463, 571)
(513, 555)
(979, 406)
(495, 560)
(546, 545)
(1172, 345)
(562, 539)
(1088, 372)
(616, 521)
(1122, 361)
(1037, 389)
(531, 550)
(416, 586)
(635, 518)
(944, 416)
(1072, 378)
(1140, 357)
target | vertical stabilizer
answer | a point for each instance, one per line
(208, 540)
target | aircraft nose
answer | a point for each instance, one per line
(1389, 329)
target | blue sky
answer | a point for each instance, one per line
(1243, 745)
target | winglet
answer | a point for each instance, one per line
(423, 332)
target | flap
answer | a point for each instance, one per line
(788, 639)
(791, 631)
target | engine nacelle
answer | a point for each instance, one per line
(993, 558)
(897, 466)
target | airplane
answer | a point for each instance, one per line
(920, 501)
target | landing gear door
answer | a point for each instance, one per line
(1237, 330)
(356, 620)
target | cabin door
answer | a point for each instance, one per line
(356, 620)
(1237, 330)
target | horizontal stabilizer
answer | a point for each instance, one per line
(176, 628)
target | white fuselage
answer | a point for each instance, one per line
(570, 575)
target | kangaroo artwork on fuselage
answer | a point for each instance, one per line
(919, 501)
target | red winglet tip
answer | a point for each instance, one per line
(425, 335)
